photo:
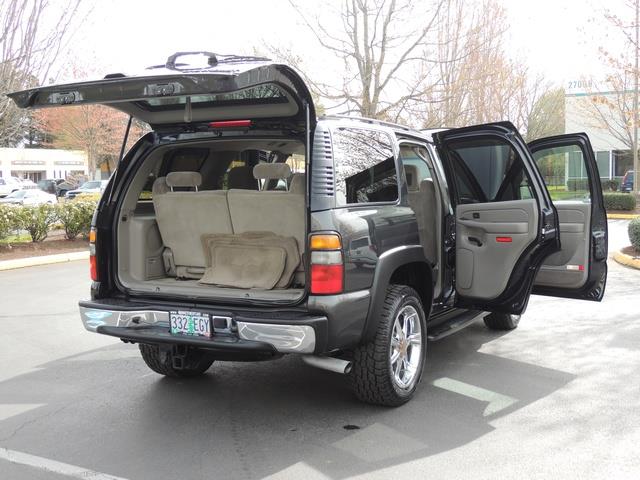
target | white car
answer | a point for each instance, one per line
(8, 185)
(29, 197)
(92, 186)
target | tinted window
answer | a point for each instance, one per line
(365, 168)
(488, 170)
(564, 172)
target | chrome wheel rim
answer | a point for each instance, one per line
(405, 352)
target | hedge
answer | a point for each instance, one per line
(619, 201)
(38, 221)
(634, 233)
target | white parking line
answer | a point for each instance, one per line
(496, 401)
(53, 466)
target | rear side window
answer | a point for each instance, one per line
(488, 170)
(365, 169)
(564, 171)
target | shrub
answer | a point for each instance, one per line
(619, 201)
(36, 220)
(577, 184)
(610, 185)
(9, 220)
(634, 233)
(76, 218)
(87, 197)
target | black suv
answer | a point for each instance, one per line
(244, 228)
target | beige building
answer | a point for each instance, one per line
(614, 157)
(40, 163)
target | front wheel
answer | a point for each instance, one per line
(190, 363)
(501, 321)
(387, 370)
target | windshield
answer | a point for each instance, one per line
(17, 194)
(90, 185)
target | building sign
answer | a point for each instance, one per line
(68, 162)
(28, 162)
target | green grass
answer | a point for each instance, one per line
(13, 239)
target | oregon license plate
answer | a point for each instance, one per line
(190, 323)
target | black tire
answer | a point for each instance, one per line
(372, 377)
(501, 321)
(161, 361)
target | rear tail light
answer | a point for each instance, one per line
(93, 264)
(327, 266)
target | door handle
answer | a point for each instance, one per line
(475, 241)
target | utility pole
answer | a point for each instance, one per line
(636, 46)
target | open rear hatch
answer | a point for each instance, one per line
(228, 87)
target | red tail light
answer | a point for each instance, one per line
(93, 268)
(326, 279)
(93, 263)
(327, 266)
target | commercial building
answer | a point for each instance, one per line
(613, 155)
(40, 163)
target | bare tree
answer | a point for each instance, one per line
(614, 107)
(381, 44)
(28, 50)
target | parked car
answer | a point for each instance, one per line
(93, 186)
(217, 265)
(627, 182)
(9, 185)
(50, 185)
(29, 197)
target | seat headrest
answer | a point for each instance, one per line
(271, 171)
(427, 186)
(184, 179)
(297, 183)
(411, 174)
(242, 178)
(159, 186)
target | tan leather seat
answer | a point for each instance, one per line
(279, 212)
(184, 216)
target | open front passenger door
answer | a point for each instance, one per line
(506, 224)
(579, 270)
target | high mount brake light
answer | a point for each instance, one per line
(230, 124)
(327, 266)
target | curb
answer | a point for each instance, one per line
(627, 260)
(43, 260)
(622, 216)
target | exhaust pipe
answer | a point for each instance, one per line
(328, 363)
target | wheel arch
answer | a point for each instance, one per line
(404, 265)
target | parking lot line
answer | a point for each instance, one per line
(53, 466)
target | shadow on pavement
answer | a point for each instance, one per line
(104, 410)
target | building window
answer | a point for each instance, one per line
(602, 159)
(622, 162)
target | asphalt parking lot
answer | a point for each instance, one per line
(557, 398)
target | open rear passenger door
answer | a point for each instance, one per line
(505, 222)
(579, 270)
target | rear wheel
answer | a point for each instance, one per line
(176, 361)
(387, 370)
(501, 321)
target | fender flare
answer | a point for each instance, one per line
(387, 264)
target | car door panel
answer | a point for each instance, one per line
(505, 221)
(569, 266)
(579, 269)
(490, 239)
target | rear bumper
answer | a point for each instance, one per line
(249, 331)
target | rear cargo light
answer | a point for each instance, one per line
(327, 266)
(230, 124)
(93, 263)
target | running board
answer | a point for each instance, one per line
(455, 324)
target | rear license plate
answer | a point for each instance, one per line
(190, 323)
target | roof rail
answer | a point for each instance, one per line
(371, 120)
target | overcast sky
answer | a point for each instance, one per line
(555, 37)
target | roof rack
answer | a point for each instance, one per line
(372, 121)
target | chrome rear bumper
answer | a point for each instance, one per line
(153, 326)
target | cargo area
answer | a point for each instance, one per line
(216, 219)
